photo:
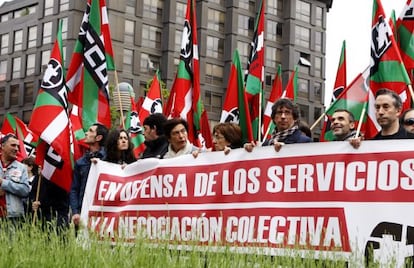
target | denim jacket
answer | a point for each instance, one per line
(16, 186)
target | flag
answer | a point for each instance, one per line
(27, 139)
(339, 86)
(235, 106)
(275, 94)
(92, 58)
(184, 100)
(134, 126)
(255, 73)
(353, 99)
(153, 101)
(386, 69)
(50, 121)
(405, 33)
(78, 132)
(291, 90)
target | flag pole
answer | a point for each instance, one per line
(39, 180)
(317, 121)
(119, 99)
(361, 117)
(410, 88)
(268, 130)
(259, 138)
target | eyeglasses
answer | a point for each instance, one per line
(409, 122)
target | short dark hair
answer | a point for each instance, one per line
(287, 103)
(156, 120)
(393, 94)
(350, 114)
(103, 131)
(6, 137)
(172, 123)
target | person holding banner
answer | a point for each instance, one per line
(407, 120)
(156, 144)
(119, 148)
(14, 181)
(95, 137)
(176, 130)
(227, 136)
(388, 106)
(285, 116)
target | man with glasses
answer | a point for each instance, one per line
(14, 180)
(285, 116)
(407, 120)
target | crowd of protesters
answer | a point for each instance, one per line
(23, 193)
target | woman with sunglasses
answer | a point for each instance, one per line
(407, 120)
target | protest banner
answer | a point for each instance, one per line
(313, 199)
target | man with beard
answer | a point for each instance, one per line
(388, 107)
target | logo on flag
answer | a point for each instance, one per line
(381, 39)
(156, 106)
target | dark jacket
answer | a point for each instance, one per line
(295, 137)
(80, 177)
(401, 134)
(156, 148)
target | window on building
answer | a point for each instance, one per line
(273, 57)
(180, 10)
(303, 11)
(215, 47)
(18, 40)
(303, 87)
(3, 70)
(243, 25)
(302, 36)
(215, 20)
(247, 4)
(317, 90)
(129, 31)
(274, 31)
(48, 7)
(130, 7)
(151, 36)
(319, 16)
(4, 17)
(318, 66)
(64, 5)
(219, 2)
(4, 44)
(153, 9)
(318, 41)
(45, 58)
(244, 51)
(32, 37)
(2, 97)
(304, 63)
(275, 7)
(304, 112)
(128, 60)
(317, 113)
(64, 28)
(14, 95)
(30, 64)
(47, 32)
(17, 65)
(28, 92)
(214, 74)
(213, 101)
(149, 63)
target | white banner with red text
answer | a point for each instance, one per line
(315, 198)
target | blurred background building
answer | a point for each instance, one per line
(146, 36)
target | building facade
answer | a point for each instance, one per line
(146, 36)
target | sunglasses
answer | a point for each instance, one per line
(409, 122)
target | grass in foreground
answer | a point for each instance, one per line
(29, 246)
